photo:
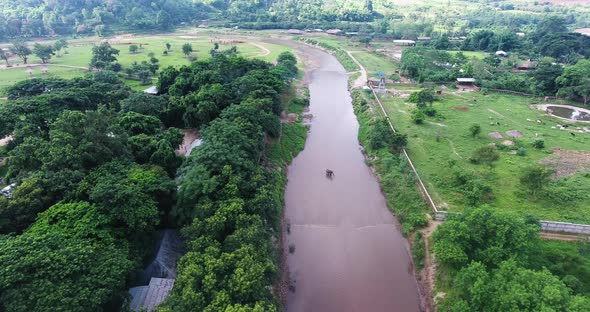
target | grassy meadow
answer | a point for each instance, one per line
(441, 141)
(79, 53)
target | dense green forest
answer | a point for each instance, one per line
(95, 168)
(36, 18)
(503, 266)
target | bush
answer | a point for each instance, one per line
(521, 151)
(395, 77)
(475, 130)
(486, 155)
(540, 144)
(535, 178)
(418, 116)
(429, 111)
(380, 136)
(475, 190)
(418, 250)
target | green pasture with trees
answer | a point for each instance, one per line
(455, 145)
(72, 58)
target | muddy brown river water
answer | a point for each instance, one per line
(349, 252)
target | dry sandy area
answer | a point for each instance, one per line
(566, 162)
(190, 135)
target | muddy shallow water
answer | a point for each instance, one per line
(349, 254)
(568, 112)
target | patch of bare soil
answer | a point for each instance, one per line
(462, 108)
(468, 89)
(562, 237)
(288, 118)
(190, 135)
(496, 135)
(514, 134)
(567, 162)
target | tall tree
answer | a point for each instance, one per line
(103, 55)
(545, 76)
(575, 81)
(38, 271)
(498, 237)
(535, 179)
(59, 45)
(4, 56)
(187, 49)
(44, 52)
(21, 49)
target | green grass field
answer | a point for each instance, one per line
(471, 54)
(11, 76)
(433, 144)
(374, 63)
(80, 52)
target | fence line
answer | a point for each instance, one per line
(423, 189)
(440, 215)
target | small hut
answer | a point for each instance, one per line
(333, 31)
(153, 90)
(501, 53)
(526, 65)
(405, 42)
(466, 81)
(295, 32)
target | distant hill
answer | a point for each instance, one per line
(295, 11)
(34, 18)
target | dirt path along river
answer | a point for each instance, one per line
(346, 252)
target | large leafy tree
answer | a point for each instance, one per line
(4, 57)
(103, 55)
(545, 76)
(575, 81)
(29, 198)
(21, 49)
(40, 268)
(145, 104)
(131, 196)
(485, 236)
(511, 288)
(44, 52)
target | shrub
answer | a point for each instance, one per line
(418, 116)
(540, 144)
(475, 130)
(474, 189)
(429, 111)
(535, 178)
(521, 151)
(395, 77)
(380, 135)
(418, 250)
(485, 155)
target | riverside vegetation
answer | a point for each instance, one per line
(95, 180)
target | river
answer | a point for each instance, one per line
(349, 253)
